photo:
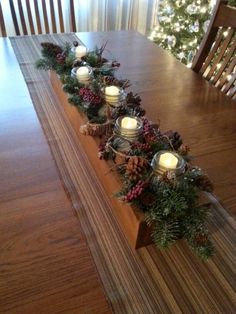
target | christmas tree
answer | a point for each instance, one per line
(181, 26)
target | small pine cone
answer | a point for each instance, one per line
(133, 99)
(117, 112)
(88, 129)
(84, 129)
(135, 167)
(184, 150)
(204, 183)
(51, 49)
(108, 80)
(60, 58)
(174, 138)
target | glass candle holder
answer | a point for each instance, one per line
(113, 95)
(83, 73)
(168, 161)
(128, 127)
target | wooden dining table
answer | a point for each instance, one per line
(62, 250)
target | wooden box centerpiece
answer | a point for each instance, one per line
(130, 218)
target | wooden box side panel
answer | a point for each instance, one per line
(131, 220)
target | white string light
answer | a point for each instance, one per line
(225, 34)
(203, 10)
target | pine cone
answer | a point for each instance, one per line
(174, 138)
(184, 150)
(204, 183)
(61, 58)
(133, 99)
(50, 49)
(117, 112)
(135, 167)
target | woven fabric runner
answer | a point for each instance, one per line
(147, 280)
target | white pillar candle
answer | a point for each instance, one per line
(112, 91)
(168, 161)
(112, 94)
(82, 73)
(80, 51)
(129, 123)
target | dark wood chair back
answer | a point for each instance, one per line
(216, 57)
(35, 20)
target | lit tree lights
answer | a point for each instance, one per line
(181, 26)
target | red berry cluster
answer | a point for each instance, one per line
(135, 191)
(150, 138)
(146, 125)
(141, 146)
(88, 96)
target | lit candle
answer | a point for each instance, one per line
(112, 94)
(82, 73)
(168, 161)
(129, 123)
(80, 51)
(129, 128)
(112, 91)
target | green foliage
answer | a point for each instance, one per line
(157, 146)
(45, 64)
(76, 100)
(204, 251)
(92, 114)
(92, 59)
(175, 213)
(71, 85)
(98, 119)
(165, 233)
(62, 60)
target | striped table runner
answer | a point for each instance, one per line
(147, 280)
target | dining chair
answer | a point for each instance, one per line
(216, 57)
(34, 17)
